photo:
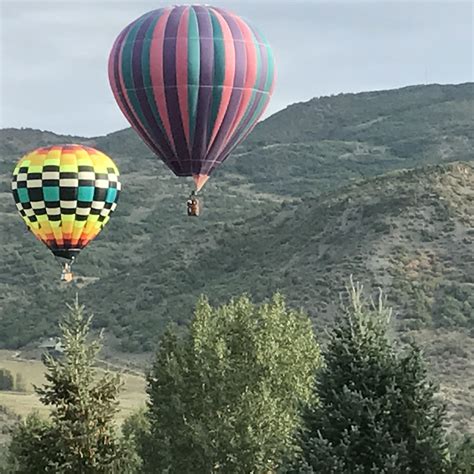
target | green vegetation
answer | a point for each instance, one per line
(463, 454)
(225, 398)
(20, 384)
(245, 389)
(7, 381)
(80, 434)
(285, 212)
(377, 409)
(378, 185)
(32, 372)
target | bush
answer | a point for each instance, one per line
(20, 384)
(6, 380)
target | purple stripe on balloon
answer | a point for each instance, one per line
(246, 127)
(206, 43)
(237, 92)
(244, 131)
(151, 125)
(249, 117)
(171, 91)
(120, 93)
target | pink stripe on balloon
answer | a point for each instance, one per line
(157, 74)
(182, 73)
(251, 75)
(228, 77)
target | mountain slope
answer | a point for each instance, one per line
(275, 216)
(351, 136)
(410, 232)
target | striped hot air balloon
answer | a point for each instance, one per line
(65, 195)
(193, 82)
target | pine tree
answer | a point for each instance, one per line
(377, 410)
(225, 398)
(80, 436)
(32, 448)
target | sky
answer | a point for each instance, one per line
(53, 56)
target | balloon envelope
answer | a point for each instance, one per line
(193, 82)
(65, 194)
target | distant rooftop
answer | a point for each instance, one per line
(52, 343)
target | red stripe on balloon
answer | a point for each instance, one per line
(182, 73)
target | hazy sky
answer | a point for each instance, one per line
(53, 63)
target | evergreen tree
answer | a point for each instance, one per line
(80, 436)
(33, 447)
(377, 410)
(225, 398)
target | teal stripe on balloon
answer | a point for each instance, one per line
(127, 73)
(219, 70)
(270, 69)
(193, 71)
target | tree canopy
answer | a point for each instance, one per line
(377, 410)
(226, 397)
(80, 435)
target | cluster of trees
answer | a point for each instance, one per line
(246, 390)
(10, 382)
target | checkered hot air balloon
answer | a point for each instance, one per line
(193, 82)
(66, 194)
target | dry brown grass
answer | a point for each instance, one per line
(132, 396)
(450, 355)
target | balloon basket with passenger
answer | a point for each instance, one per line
(66, 258)
(66, 274)
(193, 205)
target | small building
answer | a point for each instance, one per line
(52, 346)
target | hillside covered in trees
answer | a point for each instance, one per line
(319, 191)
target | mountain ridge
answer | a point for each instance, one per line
(150, 241)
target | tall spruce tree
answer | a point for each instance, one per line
(377, 410)
(80, 436)
(225, 398)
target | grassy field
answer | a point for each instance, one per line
(132, 397)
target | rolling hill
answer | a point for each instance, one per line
(379, 185)
(299, 207)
